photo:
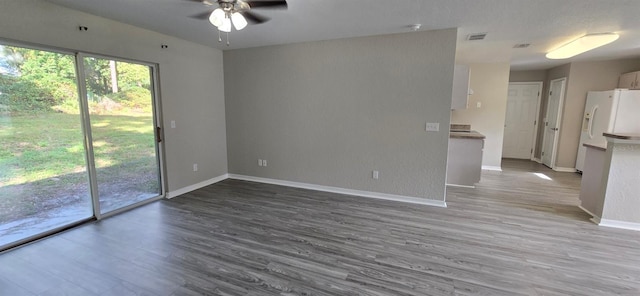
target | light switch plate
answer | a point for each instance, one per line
(432, 127)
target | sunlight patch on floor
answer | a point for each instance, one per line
(542, 176)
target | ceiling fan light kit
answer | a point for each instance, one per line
(581, 45)
(217, 17)
(239, 22)
(236, 13)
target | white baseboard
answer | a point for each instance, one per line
(461, 186)
(193, 187)
(491, 168)
(588, 212)
(619, 224)
(538, 160)
(565, 170)
(377, 195)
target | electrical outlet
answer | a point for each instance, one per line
(195, 167)
(478, 104)
(173, 124)
(264, 162)
(259, 162)
(375, 175)
(432, 126)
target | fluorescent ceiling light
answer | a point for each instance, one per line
(582, 44)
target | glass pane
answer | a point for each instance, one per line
(120, 99)
(43, 177)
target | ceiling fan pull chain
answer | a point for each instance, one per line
(227, 38)
(219, 36)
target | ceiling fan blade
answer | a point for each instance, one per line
(270, 4)
(203, 15)
(254, 18)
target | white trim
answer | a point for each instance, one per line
(461, 186)
(536, 160)
(491, 168)
(619, 224)
(588, 212)
(193, 187)
(565, 170)
(596, 219)
(556, 136)
(377, 195)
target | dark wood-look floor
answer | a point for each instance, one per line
(515, 234)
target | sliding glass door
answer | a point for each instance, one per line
(120, 102)
(43, 173)
(72, 146)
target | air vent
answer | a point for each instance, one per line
(476, 36)
(522, 45)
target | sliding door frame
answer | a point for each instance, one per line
(157, 124)
(87, 137)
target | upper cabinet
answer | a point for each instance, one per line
(460, 93)
(629, 80)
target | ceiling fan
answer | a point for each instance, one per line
(236, 12)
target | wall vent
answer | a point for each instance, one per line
(476, 36)
(522, 45)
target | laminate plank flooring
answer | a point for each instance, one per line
(514, 234)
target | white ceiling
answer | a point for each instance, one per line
(545, 24)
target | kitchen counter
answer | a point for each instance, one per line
(594, 147)
(631, 137)
(609, 190)
(467, 135)
(464, 161)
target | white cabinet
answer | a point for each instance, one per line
(629, 80)
(460, 92)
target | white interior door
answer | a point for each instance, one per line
(552, 122)
(521, 120)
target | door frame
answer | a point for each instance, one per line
(556, 136)
(157, 123)
(536, 124)
(78, 55)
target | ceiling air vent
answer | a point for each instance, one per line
(476, 36)
(522, 45)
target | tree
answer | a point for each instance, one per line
(35, 80)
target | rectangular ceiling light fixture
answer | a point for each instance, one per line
(582, 44)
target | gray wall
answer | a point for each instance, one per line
(330, 112)
(527, 76)
(490, 84)
(197, 106)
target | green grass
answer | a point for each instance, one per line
(37, 147)
(42, 158)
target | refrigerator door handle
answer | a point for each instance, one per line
(593, 117)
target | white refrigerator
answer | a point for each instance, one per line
(612, 111)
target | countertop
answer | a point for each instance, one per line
(635, 137)
(594, 147)
(467, 135)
